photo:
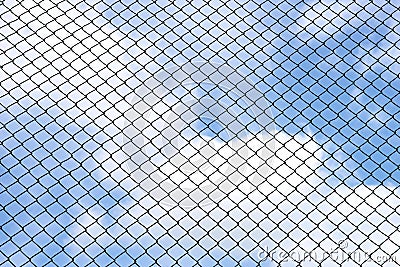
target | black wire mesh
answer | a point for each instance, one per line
(211, 133)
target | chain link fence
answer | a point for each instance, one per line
(199, 133)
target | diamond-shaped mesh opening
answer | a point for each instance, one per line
(199, 133)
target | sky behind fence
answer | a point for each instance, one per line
(329, 71)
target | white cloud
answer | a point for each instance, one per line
(320, 216)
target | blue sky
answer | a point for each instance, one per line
(339, 86)
(336, 79)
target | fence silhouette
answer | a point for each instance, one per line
(199, 133)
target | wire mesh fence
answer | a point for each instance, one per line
(199, 133)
